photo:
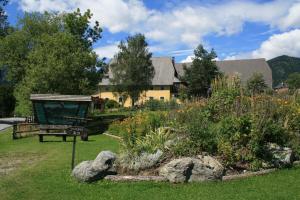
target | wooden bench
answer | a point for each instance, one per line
(65, 130)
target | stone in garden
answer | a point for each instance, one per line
(89, 171)
(104, 162)
(178, 170)
(202, 168)
(206, 168)
(141, 162)
(83, 172)
(282, 156)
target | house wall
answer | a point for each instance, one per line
(156, 93)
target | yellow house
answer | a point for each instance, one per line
(166, 81)
(164, 84)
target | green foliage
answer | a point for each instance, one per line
(111, 104)
(3, 19)
(237, 128)
(153, 141)
(256, 84)
(135, 128)
(293, 81)
(154, 105)
(51, 53)
(203, 70)
(282, 67)
(7, 100)
(132, 67)
(40, 177)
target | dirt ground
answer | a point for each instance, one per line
(10, 162)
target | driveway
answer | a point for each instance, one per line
(8, 122)
(4, 126)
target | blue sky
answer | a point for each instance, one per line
(235, 29)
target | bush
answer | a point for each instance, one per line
(109, 103)
(236, 127)
(155, 105)
(232, 125)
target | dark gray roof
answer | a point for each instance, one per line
(164, 72)
(243, 68)
(56, 97)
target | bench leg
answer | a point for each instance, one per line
(64, 138)
(40, 138)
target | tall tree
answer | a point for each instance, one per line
(199, 75)
(256, 84)
(51, 53)
(132, 67)
(293, 81)
(3, 19)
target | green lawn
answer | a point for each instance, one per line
(42, 171)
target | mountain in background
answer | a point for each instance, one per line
(282, 66)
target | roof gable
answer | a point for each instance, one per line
(164, 72)
(244, 68)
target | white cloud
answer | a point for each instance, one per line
(287, 43)
(182, 24)
(292, 19)
(115, 15)
(107, 51)
(188, 59)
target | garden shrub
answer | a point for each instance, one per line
(232, 125)
(109, 103)
(138, 124)
(155, 105)
(237, 127)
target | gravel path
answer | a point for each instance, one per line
(7, 122)
(4, 126)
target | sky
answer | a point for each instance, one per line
(235, 29)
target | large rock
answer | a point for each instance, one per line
(140, 162)
(206, 168)
(178, 170)
(83, 172)
(202, 168)
(281, 156)
(89, 171)
(104, 161)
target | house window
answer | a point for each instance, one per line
(120, 99)
(151, 98)
(151, 88)
(162, 98)
(162, 87)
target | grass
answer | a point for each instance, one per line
(43, 172)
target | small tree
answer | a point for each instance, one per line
(51, 53)
(132, 68)
(3, 19)
(256, 84)
(203, 70)
(293, 81)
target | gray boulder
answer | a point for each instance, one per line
(206, 168)
(140, 162)
(202, 168)
(89, 171)
(282, 156)
(83, 172)
(178, 170)
(104, 161)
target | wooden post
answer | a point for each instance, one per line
(14, 131)
(73, 152)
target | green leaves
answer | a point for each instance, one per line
(51, 53)
(203, 70)
(256, 83)
(132, 67)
